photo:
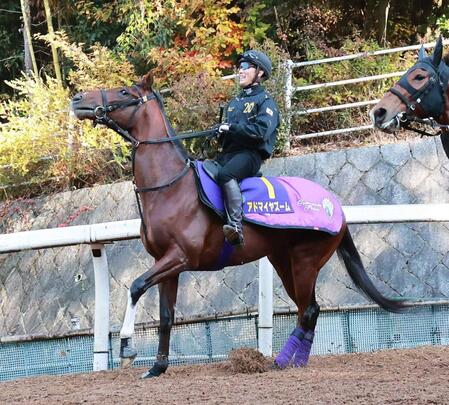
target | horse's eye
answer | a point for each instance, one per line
(420, 77)
(124, 92)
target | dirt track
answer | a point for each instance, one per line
(418, 376)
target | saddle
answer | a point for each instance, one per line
(275, 202)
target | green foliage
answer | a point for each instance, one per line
(99, 67)
(443, 25)
(148, 25)
(255, 28)
(93, 22)
(40, 141)
(165, 34)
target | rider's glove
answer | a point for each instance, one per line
(223, 128)
(215, 129)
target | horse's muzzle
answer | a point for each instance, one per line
(81, 109)
(378, 119)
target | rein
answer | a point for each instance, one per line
(406, 120)
(101, 117)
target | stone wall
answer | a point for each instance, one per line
(42, 291)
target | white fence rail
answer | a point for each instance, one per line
(99, 234)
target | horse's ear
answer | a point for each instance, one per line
(422, 53)
(147, 81)
(438, 52)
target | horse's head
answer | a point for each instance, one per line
(420, 92)
(116, 107)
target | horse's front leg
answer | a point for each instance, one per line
(167, 300)
(169, 264)
(127, 352)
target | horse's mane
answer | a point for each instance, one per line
(171, 132)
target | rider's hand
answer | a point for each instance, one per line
(223, 128)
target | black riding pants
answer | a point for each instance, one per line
(238, 165)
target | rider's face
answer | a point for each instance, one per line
(247, 74)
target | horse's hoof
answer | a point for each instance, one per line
(127, 357)
(155, 371)
(148, 374)
(126, 362)
(281, 361)
(275, 366)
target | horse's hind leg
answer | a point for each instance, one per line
(299, 282)
(167, 299)
(283, 265)
(300, 341)
(305, 332)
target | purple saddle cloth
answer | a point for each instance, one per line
(278, 202)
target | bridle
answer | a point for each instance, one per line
(101, 117)
(101, 113)
(430, 98)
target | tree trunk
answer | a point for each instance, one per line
(383, 10)
(54, 50)
(26, 50)
(368, 17)
(30, 60)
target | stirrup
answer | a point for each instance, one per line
(233, 235)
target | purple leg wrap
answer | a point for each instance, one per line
(298, 345)
(290, 347)
(303, 351)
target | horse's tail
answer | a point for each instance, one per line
(353, 263)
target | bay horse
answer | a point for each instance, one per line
(421, 96)
(182, 234)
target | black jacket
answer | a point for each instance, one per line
(253, 119)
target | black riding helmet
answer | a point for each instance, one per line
(259, 59)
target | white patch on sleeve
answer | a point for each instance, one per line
(269, 111)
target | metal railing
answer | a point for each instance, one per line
(290, 89)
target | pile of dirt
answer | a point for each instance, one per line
(248, 361)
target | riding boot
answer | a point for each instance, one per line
(233, 230)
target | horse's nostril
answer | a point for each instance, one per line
(77, 97)
(379, 114)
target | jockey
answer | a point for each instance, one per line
(248, 137)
